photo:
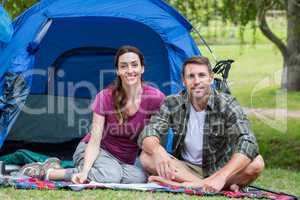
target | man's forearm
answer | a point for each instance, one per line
(151, 144)
(237, 163)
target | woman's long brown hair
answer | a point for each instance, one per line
(118, 92)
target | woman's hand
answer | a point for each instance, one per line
(79, 178)
(92, 149)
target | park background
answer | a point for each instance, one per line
(255, 80)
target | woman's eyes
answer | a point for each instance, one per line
(126, 66)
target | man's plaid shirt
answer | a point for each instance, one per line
(226, 129)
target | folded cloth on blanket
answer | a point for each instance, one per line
(23, 156)
(249, 192)
(138, 186)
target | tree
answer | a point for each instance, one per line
(16, 7)
(243, 12)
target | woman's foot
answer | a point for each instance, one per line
(33, 170)
(51, 163)
(40, 170)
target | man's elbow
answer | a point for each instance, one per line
(249, 149)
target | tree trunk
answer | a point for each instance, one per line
(290, 51)
(291, 72)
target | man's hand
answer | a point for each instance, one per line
(163, 163)
(79, 178)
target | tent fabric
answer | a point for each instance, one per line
(74, 41)
(6, 28)
(14, 95)
(58, 120)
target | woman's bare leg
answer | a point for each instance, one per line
(57, 174)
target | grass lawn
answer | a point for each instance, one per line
(255, 76)
(276, 179)
(279, 149)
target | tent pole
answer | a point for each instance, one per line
(43, 31)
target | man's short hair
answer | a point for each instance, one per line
(200, 60)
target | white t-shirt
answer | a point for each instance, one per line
(193, 142)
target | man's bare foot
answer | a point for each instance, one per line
(158, 179)
(234, 188)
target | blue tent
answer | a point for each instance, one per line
(62, 51)
(6, 29)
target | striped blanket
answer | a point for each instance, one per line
(249, 192)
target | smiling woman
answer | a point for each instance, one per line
(108, 153)
(129, 64)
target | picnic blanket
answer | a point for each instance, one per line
(249, 192)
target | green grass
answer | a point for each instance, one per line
(274, 179)
(280, 146)
(255, 76)
(280, 180)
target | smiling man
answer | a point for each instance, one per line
(213, 145)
